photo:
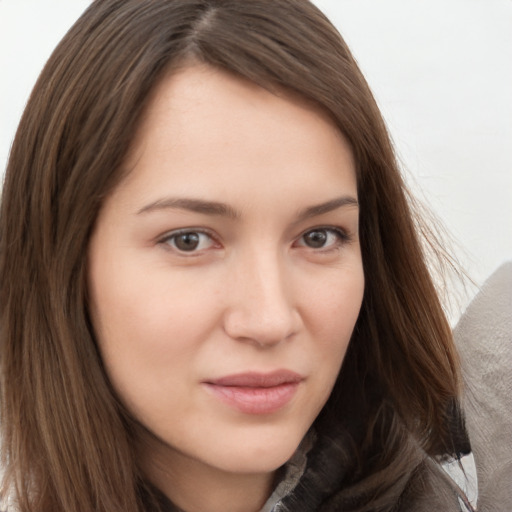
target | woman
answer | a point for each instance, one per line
(214, 295)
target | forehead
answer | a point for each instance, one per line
(205, 128)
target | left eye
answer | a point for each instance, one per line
(322, 238)
(189, 241)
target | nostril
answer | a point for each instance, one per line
(263, 331)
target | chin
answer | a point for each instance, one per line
(262, 454)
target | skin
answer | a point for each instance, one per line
(272, 284)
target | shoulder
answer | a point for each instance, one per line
(447, 486)
(484, 339)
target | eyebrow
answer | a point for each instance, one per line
(193, 205)
(329, 206)
(224, 210)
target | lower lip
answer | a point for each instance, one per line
(255, 400)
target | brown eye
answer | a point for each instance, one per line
(323, 238)
(316, 239)
(188, 241)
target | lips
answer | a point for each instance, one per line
(256, 393)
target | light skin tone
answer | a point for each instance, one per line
(230, 247)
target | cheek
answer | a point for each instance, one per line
(148, 326)
(331, 312)
(148, 350)
(333, 301)
(131, 296)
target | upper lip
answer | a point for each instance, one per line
(258, 379)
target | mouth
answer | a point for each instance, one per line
(256, 393)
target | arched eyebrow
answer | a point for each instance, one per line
(193, 205)
(328, 206)
(225, 210)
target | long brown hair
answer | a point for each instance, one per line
(66, 440)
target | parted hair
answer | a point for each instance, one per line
(67, 442)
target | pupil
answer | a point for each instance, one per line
(316, 239)
(187, 241)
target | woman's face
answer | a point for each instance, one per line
(225, 271)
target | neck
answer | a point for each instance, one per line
(193, 486)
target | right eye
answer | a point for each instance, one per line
(188, 241)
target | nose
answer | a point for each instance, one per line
(262, 309)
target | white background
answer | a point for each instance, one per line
(441, 71)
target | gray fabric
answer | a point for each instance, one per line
(484, 338)
(322, 486)
(294, 470)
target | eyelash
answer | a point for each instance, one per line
(342, 237)
(173, 235)
(170, 239)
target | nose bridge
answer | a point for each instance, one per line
(261, 306)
